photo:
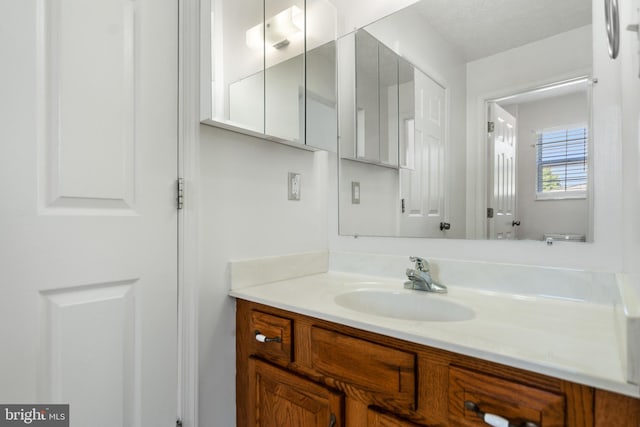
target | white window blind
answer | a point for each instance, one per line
(562, 161)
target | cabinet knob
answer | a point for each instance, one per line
(493, 419)
(263, 338)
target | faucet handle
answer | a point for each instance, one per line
(421, 263)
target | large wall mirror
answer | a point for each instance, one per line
(468, 119)
(268, 69)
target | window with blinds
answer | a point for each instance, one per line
(562, 162)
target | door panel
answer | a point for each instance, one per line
(87, 95)
(91, 339)
(502, 188)
(422, 179)
(88, 238)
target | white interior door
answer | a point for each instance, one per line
(88, 225)
(422, 178)
(502, 185)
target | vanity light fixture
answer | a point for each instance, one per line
(281, 29)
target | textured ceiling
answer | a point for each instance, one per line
(481, 28)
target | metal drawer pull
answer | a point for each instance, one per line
(495, 420)
(263, 338)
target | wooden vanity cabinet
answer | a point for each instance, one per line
(305, 372)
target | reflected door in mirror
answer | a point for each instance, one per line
(422, 178)
(502, 146)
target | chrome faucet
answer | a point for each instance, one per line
(420, 278)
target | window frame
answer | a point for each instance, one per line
(563, 194)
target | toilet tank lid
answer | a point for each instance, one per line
(565, 236)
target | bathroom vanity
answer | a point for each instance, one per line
(311, 372)
(317, 363)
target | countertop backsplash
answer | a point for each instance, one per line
(578, 285)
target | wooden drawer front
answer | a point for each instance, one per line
(379, 419)
(370, 367)
(272, 327)
(516, 402)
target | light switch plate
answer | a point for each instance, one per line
(295, 184)
(355, 193)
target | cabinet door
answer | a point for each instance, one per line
(281, 399)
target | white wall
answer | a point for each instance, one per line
(245, 214)
(377, 213)
(537, 217)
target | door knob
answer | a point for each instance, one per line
(515, 223)
(445, 226)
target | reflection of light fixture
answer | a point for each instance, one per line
(280, 29)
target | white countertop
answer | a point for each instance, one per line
(571, 340)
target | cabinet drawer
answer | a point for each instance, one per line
(516, 402)
(277, 331)
(370, 367)
(380, 419)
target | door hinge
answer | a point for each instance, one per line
(178, 422)
(489, 212)
(180, 193)
(491, 126)
(402, 205)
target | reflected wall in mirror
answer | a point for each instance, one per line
(539, 145)
(236, 66)
(452, 60)
(260, 71)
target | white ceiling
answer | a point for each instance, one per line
(481, 28)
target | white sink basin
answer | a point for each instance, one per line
(405, 304)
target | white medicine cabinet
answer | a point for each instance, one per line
(268, 69)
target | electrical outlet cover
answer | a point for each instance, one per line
(355, 192)
(294, 186)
